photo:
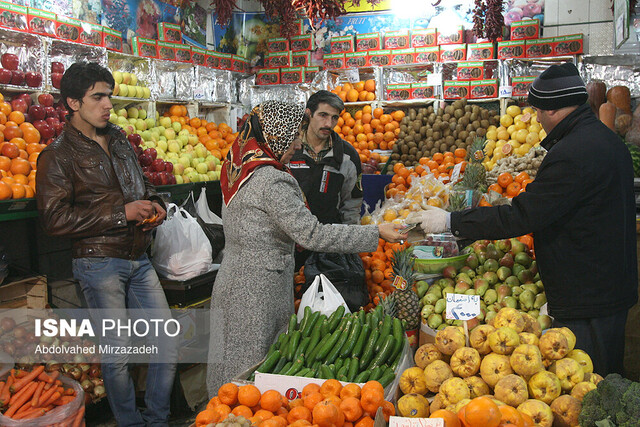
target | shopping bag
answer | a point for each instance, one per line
(203, 211)
(321, 296)
(346, 273)
(213, 230)
(181, 249)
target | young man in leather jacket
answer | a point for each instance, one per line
(91, 189)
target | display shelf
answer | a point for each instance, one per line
(129, 99)
(14, 88)
(173, 101)
(18, 209)
(410, 102)
(360, 103)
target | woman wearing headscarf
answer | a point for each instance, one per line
(264, 216)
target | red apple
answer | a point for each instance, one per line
(10, 61)
(172, 179)
(36, 112)
(45, 99)
(145, 170)
(138, 151)
(62, 115)
(157, 165)
(57, 67)
(19, 104)
(46, 130)
(5, 76)
(145, 159)
(168, 166)
(134, 139)
(26, 97)
(17, 78)
(55, 79)
(50, 112)
(34, 79)
(165, 177)
(59, 128)
(151, 152)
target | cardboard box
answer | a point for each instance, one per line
(398, 91)
(277, 45)
(291, 75)
(483, 89)
(513, 49)
(112, 39)
(397, 40)
(539, 47)
(454, 35)
(334, 61)
(27, 293)
(480, 51)
(470, 70)
(453, 89)
(310, 73)
(426, 54)
(426, 37)
(198, 55)
(422, 90)
(68, 28)
(169, 32)
(301, 59)
(13, 16)
(166, 51)
(301, 43)
(368, 41)
(41, 22)
(525, 30)
(427, 335)
(343, 44)
(278, 59)
(568, 45)
(453, 52)
(521, 84)
(183, 52)
(90, 34)
(239, 64)
(355, 59)
(212, 59)
(145, 47)
(288, 386)
(268, 76)
(402, 56)
(379, 57)
(226, 61)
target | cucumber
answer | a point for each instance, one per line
(342, 374)
(293, 323)
(335, 351)
(367, 355)
(383, 354)
(339, 362)
(303, 372)
(269, 362)
(375, 374)
(346, 364)
(308, 327)
(354, 368)
(335, 317)
(292, 345)
(326, 373)
(362, 377)
(305, 319)
(385, 330)
(314, 353)
(395, 361)
(302, 347)
(279, 365)
(316, 365)
(354, 333)
(398, 330)
(285, 368)
(360, 342)
(282, 341)
(387, 378)
(361, 317)
(295, 367)
(324, 327)
(332, 368)
(315, 339)
(273, 347)
(326, 348)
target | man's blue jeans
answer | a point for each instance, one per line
(116, 284)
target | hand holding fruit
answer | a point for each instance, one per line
(156, 219)
(389, 233)
(138, 211)
(432, 219)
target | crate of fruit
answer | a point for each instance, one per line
(26, 293)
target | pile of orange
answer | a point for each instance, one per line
(510, 186)
(358, 92)
(326, 405)
(378, 272)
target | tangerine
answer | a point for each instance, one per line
(377, 113)
(228, 394)
(18, 191)
(482, 411)
(5, 191)
(325, 414)
(10, 150)
(370, 85)
(450, 419)
(271, 400)
(206, 417)
(248, 395)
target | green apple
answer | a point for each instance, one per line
(176, 126)
(218, 168)
(132, 121)
(202, 167)
(174, 146)
(185, 179)
(212, 176)
(213, 158)
(187, 149)
(142, 114)
(178, 169)
(170, 133)
(117, 76)
(133, 79)
(162, 145)
(165, 121)
(147, 135)
(179, 179)
(124, 90)
(161, 129)
(162, 138)
(150, 122)
(155, 135)
(194, 176)
(204, 177)
(183, 132)
(146, 93)
(141, 124)
(129, 129)
(195, 162)
(184, 161)
(122, 121)
(201, 151)
(161, 152)
(116, 89)
(193, 140)
(157, 115)
(133, 112)
(126, 78)
(113, 118)
(139, 92)
(122, 113)
(184, 140)
(150, 144)
(173, 156)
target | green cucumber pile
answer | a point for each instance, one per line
(356, 347)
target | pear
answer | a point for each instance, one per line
(512, 281)
(525, 276)
(468, 271)
(430, 299)
(490, 296)
(491, 265)
(507, 260)
(503, 291)
(504, 245)
(434, 320)
(427, 311)
(510, 301)
(516, 246)
(481, 286)
(492, 252)
(490, 277)
(541, 299)
(527, 299)
(472, 261)
(503, 273)
(523, 259)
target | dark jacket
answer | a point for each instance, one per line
(81, 193)
(581, 209)
(332, 186)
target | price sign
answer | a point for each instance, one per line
(462, 307)
(505, 91)
(455, 175)
(434, 79)
(415, 422)
(198, 93)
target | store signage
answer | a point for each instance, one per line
(462, 306)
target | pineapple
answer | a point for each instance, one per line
(457, 201)
(475, 174)
(405, 301)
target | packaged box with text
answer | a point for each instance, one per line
(398, 91)
(278, 59)
(483, 89)
(277, 45)
(13, 16)
(145, 47)
(539, 47)
(368, 41)
(342, 44)
(166, 51)
(453, 52)
(402, 56)
(568, 45)
(112, 39)
(291, 75)
(379, 57)
(333, 61)
(422, 90)
(310, 73)
(212, 59)
(525, 30)
(397, 40)
(451, 35)
(425, 37)
(168, 32)
(41, 22)
(453, 89)
(226, 61)
(355, 59)
(521, 84)
(198, 55)
(183, 52)
(302, 42)
(301, 59)
(68, 28)
(426, 54)
(480, 51)
(268, 76)
(513, 49)
(90, 34)
(239, 64)
(470, 70)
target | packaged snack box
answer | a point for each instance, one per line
(212, 59)
(379, 57)
(426, 54)
(268, 76)
(41, 22)
(483, 89)
(68, 28)
(422, 90)
(226, 61)
(166, 51)
(342, 44)
(198, 55)
(398, 91)
(291, 75)
(277, 45)
(13, 16)
(470, 70)
(454, 35)
(520, 85)
(424, 37)
(539, 47)
(355, 59)
(402, 56)
(183, 52)
(310, 73)
(112, 39)
(368, 41)
(525, 30)
(334, 61)
(301, 59)
(512, 49)
(480, 51)
(278, 59)
(568, 45)
(302, 42)
(453, 52)
(169, 32)
(397, 40)
(453, 89)
(90, 34)
(239, 64)
(145, 47)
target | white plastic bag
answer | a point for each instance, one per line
(326, 301)
(181, 250)
(203, 211)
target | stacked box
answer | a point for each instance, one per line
(539, 47)
(144, 47)
(169, 32)
(426, 37)
(226, 61)
(278, 59)
(90, 34)
(355, 59)
(379, 57)
(453, 89)
(422, 90)
(310, 73)
(334, 61)
(268, 77)
(112, 39)
(453, 52)
(239, 64)
(212, 59)
(520, 85)
(342, 44)
(397, 40)
(291, 75)
(480, 51)
(368, 41)
(426, 54)
(13, 16)
(470, 71)
(68, 28)
(277, 45)
(525, 30)
(483, 89)
(568, 45)
(198, 55)
(41, 22)
(454, 35)
(301, 43)
(512, 49)
(183, 52)
(402, 56)
(398, 91)
(301, 59)
(166, 51)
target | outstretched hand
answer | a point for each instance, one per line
(390, 233)
(432, 220)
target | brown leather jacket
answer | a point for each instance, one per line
(81, 193)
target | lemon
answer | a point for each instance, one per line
(503, 135)
(526, 147)
(511, 129)
(529, 110)
(506, 120)
(532, 138)
(542, 134)
(513, 110)
(535, 128)
(521, 135)
(492, 127)
(514, 143)
(520, 125)
(492, 134)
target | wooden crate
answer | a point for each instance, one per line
(27, 293)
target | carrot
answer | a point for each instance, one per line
(24, 408)
(24, 398)
(36, 395)
(32, 413)
(5, 394)
(18, 373)
(54, 375)
(58, 383)
(69, 392)
(52, 399)
(79, 416)
(46, 395)
(17, 395)
(44, 377)
(63, 400)
(27, 379)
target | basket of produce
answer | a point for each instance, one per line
(436, 265)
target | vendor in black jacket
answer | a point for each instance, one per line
(581, 210)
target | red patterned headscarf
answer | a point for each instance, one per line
(265, 137)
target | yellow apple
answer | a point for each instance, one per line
(544, 386)
(526, 360)
(566, 410)
(512, 390)
(509, 317)
(465, 362)
(436, 373)
(449, 340)
(539, 411)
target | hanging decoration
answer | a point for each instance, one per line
(488, 20)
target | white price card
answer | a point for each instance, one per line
(434, 79)
(505, 91)
(198, 93)
(455, 175)
(415, 422)
(462, 306)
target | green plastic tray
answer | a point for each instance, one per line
(431, 266)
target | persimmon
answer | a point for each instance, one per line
(312, 399)
(206, 417)
(504, 179)
(450, 419)
(242, 411)
(299, 413)
(271, 400)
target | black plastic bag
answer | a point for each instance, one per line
(214, 232)
(345, 271)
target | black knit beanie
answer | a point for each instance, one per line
(557, 87)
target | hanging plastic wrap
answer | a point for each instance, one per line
(204, 84)
(29, 54)
(225, 86)
(185, 76)
(517, 68)
(619, 70)
(175, 80)
(251, 94)
(165, 79)
(141, 67)
(68, 53)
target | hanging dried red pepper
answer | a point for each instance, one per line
(478, 18)
(319, 10)
(224, 9)
(280, 11)
(494, 20)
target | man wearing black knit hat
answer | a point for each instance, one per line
(581, 210)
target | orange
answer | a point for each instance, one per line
(5, 191)
(325, 414)
(19, 142)
(521, 177)
(20, 178)
(279, 421)
(359, 86)
(510, 415)
(300, 423)
(460, 153)
(18, 191)
(11, 132)
(504, 179)
(351, 390)
(206, 417)
(5, 163)
(362, 96)
(398, 115)
(175, 110)
(370, 85)
(263, 413)
(377, 112)
(20, 166)
(388, 410)
(372, 396)
(195, 122)
(366, 109)
(371, 96)
(5, 108)
(450, 419)
(351, 409)
(312, 400)
(352, 95)
(310, 388)
(365, 421)
(16, 116)
(271, 400)
(248, 395)
(482, 411)
(228, 394)
(496, 187)
(242, 410)
(513, 189)
(299, 413)
(9, 150)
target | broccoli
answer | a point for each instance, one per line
(616, 400)
(611, 389)
(629, 413)
(592, 410)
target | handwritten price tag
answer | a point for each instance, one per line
(462, 307)
(415, 422)
(505, 91)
